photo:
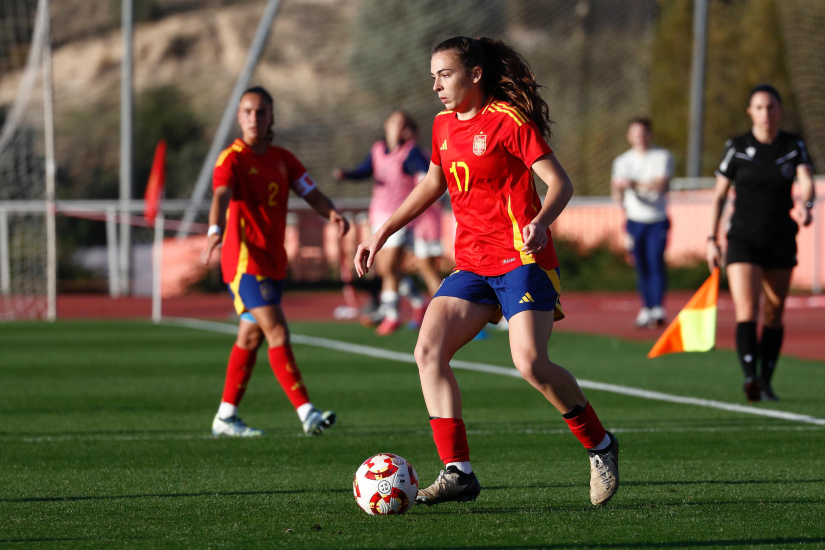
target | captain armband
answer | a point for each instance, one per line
(304, 185)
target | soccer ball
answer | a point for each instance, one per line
(385, 484)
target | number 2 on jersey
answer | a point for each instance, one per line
(273, 194)
(454, 172)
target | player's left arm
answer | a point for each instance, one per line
(805, 178)
(559, 192)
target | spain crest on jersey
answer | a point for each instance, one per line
(479, 144)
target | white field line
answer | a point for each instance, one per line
(380, 353)
(189, 437)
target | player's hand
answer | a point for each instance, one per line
(802, 215)
(535, 238)
(714, 256)
(212, 242)
(365, 255)
(337, 174)
(343, 224)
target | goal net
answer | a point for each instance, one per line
(26, 219)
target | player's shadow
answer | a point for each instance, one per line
(660, 483)
(577, 508)
(175, 495)
(676, 544)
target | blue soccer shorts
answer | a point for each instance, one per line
(529, 287)
(251, 291)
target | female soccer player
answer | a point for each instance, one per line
(396, 164)
(761, 254)
(251, 183)
(486, 146)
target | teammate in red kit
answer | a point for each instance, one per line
(486, 147)
(251, 183)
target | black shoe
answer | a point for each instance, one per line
(753, 390)
(767, 392)
(452, 485)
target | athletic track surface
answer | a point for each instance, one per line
(610, 314)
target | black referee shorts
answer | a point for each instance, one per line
(769, 252)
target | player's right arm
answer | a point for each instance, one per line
(223, 182)
(217, 218)
(428, 190)
(720, 195)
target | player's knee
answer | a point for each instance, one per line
(277, 336)
(250, 340)
(527, 362)
(426, 356)
(773, 314)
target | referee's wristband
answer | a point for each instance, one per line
(214, 230)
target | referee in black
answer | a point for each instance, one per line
(761, 252)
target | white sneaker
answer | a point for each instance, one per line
(657, 315)
(233, 427)
(317, 421)
(604, 472)
(643, 318)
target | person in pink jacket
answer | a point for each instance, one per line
(397, 164)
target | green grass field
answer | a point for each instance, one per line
(105, 444)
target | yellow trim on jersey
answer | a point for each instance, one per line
(443, 113)
(243, 262)
(556, 282)
(222, 156)
(487, 106)
(515, 110)
(508, 113)
(518, 242)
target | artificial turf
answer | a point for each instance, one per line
(105, 444)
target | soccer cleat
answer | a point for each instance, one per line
(452, 485)
(604, 472)
(767, 393)
(387, 327)
(371, 318)
(233, 427)
(753, 390)
(317, 421)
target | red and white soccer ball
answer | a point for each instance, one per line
(385, 484)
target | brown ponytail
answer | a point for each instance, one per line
(505, 75)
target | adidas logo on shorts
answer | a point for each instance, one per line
(526, 298)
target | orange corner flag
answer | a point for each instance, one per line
(157, 180)
(694, 329)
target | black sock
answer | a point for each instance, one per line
(574, 412)
(747, 347)
(771, 344)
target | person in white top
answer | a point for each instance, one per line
(640, 181)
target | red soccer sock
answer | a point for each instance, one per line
(241, 362)
(288, 375)
(587, 427)
(450, 439)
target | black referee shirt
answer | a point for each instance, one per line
(763, 175)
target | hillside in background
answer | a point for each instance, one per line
(337, 67)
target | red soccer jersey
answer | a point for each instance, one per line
(487, 162)
(253, 241)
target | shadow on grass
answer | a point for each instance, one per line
(175, 495)
(675, 544)
(660, 483)
(56, 539)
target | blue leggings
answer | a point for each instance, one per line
(649, 241)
